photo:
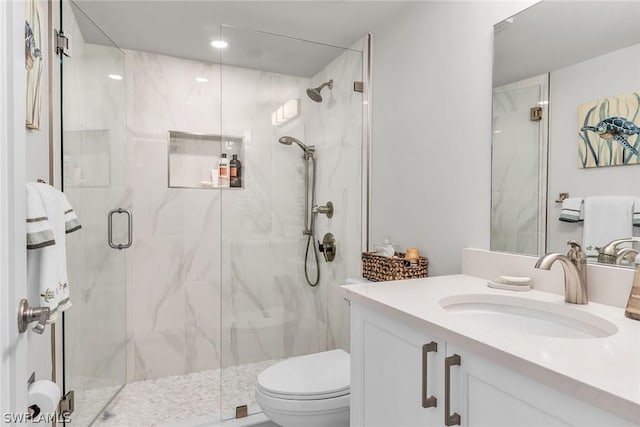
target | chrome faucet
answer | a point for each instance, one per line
(574, 265)
(608, 254)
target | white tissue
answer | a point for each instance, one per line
(45, 395)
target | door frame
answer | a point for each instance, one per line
(13, 275)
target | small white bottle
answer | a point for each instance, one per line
(223, 171)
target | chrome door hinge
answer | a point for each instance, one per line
(63, 44)
(67, 404)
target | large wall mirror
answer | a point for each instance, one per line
(566, 118)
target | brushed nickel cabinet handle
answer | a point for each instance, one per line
(449, 418)
(430, 401)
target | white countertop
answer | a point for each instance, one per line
(604, 372)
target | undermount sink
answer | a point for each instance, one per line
(529, 316)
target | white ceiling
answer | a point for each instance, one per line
(185, 28)
(554, 34)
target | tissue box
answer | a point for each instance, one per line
(378, 268)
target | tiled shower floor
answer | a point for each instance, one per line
(169, 400)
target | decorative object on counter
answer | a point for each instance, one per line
(633, 305)
(511, 283)
(223, 171)
(380, 268)
(235, 172)
(412, 256)
(386, 248)
(603, 121)
(572, 209)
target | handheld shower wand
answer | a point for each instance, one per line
(310, 189)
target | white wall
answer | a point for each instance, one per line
(431, 154)
(613, 74)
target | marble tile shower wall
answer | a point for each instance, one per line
(269, 312)
(186, 240)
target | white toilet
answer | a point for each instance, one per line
(307, 391)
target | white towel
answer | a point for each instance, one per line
(47, 263)
(39, 231)
(606, 218)
(636, 212)
(572, 209)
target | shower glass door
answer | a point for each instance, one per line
(269, 311)
(519, 165)
(94, 180)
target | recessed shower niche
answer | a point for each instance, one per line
(194, 160)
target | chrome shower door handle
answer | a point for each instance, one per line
(110, 229)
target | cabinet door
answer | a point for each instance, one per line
(387, 373)
(488, 395)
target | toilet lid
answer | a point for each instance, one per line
(317, 374)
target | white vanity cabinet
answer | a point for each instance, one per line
(389, 363)
(387, 383)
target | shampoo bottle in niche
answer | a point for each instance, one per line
(223, 171)
(235, 171)
(633, 306)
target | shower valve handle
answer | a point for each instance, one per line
(328, 247)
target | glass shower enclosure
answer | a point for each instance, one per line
(212, 290)
(94, 169)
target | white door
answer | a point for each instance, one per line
(13, 346)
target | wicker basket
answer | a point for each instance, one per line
(378, 268)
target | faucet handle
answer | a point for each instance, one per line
(576, 255)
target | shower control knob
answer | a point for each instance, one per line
(328, 247)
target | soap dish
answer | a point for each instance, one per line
(509, 286)
(515, 280)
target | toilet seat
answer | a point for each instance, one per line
(315, 376)
(304, 397)
(307, 391)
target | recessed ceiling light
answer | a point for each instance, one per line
(202, 79)
(220, 44)
(115, 76)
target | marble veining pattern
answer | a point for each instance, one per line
(216, 278)
(168, 400)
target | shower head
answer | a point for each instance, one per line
(288, 140)
(314, 93)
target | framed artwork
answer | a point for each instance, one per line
(608, 131)
(33, 37)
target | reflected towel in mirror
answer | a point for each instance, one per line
(606, 218)
(572, 209)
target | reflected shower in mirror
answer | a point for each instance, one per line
(576, 135)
